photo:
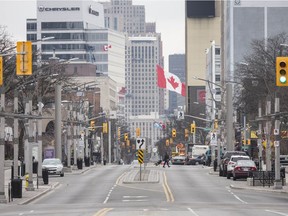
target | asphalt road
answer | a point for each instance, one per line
(182, 190)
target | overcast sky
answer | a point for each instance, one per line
(169, 16)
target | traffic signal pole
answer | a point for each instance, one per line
(277, 182)
(2, 149)
(109, 141)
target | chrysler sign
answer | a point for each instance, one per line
(42, 8)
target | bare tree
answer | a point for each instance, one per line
(256, 74)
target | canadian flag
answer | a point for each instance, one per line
(106, 47)
(170, 81)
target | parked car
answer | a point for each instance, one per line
(243, 168)
(54, 166)
(232, 162)
(178, 160)
(224, 161)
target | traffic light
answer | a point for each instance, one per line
(186, 134)
(126, 137)
(167, 142)
(216, 124)
(92, 124)
(193, 127)
(1, 70)
(105, 127)
(281, 71)
(173, 132)
(119, 133)
(248, 141)
(138, 132)
(24, 58)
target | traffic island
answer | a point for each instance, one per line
(147, 176)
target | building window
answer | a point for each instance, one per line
(217, 51)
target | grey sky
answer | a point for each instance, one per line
(169, 16)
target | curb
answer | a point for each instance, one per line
(259, 189)
(39, 194)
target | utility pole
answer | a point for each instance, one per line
(39, 139)
(109, 141)
(29, 143)
(2, 149)
(69, 137)
(74, 137)
(268, 129)
(229, 118)
(277, 182)
(58, 120)
(102, 149)
(259, 140)
(16, 136)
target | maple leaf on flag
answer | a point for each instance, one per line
(174, 84)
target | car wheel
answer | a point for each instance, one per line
(62, 175)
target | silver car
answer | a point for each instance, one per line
(54, 166)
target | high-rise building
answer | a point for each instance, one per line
(144, 101)
(143, 96)
(213, 87)
(123, 16)
(203, 25)
(177, 67)
(78, 32)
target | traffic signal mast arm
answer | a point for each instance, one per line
(196, 117)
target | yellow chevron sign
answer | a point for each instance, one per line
(140, 156)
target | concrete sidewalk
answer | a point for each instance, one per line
(29, 196)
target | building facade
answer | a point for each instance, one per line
(143, 96)
(203, 25)
(78, 31)
(123, 16)
(213, 88)
(177, 67)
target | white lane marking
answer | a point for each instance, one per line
(134, 196)
(106, 200)
(279, 213)
(237, 197)
(139, 200)
(193, 212)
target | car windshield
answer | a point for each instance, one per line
(51, 162)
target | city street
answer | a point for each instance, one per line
(181, 190)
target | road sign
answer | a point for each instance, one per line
(140, 143)
(180, 115)
(213, 138)
(140, 156)
(154, 150)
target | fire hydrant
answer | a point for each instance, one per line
(26, 181)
